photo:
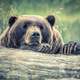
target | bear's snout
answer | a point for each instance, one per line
(35, 38)
(35, 34)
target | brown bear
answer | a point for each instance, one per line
(32, 32)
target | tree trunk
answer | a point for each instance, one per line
(28, 65)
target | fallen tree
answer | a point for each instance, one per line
(27, 65)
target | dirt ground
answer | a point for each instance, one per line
(27, 65)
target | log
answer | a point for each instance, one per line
(28, 65)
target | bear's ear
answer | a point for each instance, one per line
(12, 20)
(51, 19)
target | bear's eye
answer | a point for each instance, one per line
(40, 26)
(25, 26)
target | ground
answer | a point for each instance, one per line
(27, 65)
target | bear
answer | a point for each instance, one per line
(32, 32)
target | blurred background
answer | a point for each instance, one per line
(67, 13)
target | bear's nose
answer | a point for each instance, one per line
(35, 34)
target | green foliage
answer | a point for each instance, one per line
(67, 13)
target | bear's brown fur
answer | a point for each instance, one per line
(32, 31)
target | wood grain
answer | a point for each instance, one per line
(28, 65)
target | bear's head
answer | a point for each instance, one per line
(29, 30)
